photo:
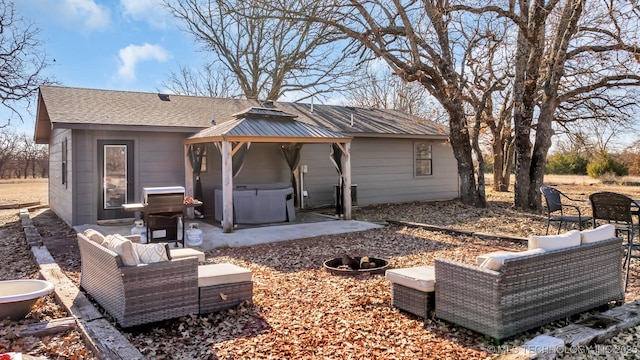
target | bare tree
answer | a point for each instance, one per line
(377, 87)
(490, 89)
(417, 40)
(211, 80)
(562, 53)
(594, 137)
(42, 160)
(268, 55)
(559, 55)
(8, 149)
(22, 61)
(28, 152)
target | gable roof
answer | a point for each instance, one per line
(80, 108)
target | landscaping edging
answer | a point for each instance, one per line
(447, 230)
(104, 340)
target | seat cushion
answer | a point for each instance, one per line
(179, 253)
(602, 232)
(225, 273)
(422, 278)
(123, 247)
(495, 262)
(555, 242)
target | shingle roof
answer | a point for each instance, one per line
(67, 107)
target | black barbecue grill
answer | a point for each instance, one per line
(163, 209)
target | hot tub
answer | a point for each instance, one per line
(259, 203)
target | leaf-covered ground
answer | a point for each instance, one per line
(301, 311)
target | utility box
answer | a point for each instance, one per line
(339, 198)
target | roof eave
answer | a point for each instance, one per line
(120, 127)
(42, 129)
(267, 139)
(400, 136)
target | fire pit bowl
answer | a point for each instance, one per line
(18, 296)
(336, 266)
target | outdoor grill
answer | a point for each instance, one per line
(163, 199)
(163, 209)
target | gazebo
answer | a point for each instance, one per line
(264, 125)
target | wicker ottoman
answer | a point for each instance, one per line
(222, 286)
(413, 289)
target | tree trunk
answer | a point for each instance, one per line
(529, 55)
(500, 176)
(462, 150)
(544, 132)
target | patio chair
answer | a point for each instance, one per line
(556, 209)
(617, 209)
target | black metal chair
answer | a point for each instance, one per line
(618, 210)
(556, 209)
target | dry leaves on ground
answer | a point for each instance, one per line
(18, 264)
(300, 311)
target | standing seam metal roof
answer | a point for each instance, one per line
(258, 122)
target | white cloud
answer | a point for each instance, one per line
(84, 15)
(133, 54)
(150, 11)
(91, 15)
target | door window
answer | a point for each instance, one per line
(115, 176)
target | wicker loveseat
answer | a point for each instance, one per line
(529, 291)
(140, 294)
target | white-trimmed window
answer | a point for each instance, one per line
(422, 159)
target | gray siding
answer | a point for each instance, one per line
(158, 161)
(86, 178)
(383, 170)
(61, 195)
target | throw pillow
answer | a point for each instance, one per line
(555, 242)
(123, 247)
(495, 262)
(152, 253)
(94, 235)
(602, 232)
(482, 258)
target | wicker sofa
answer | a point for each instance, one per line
(141, 294)
(529, 291)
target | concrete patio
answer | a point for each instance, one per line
(213, 237)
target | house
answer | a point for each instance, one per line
(105, 146)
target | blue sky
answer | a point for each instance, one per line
(119, 44)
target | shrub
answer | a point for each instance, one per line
(605, 164)
(566, 164)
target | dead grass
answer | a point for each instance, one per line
(20, 191)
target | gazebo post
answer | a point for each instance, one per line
(346, 172)
(188, 179)
(227, 187)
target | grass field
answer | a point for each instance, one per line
(20, 191)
